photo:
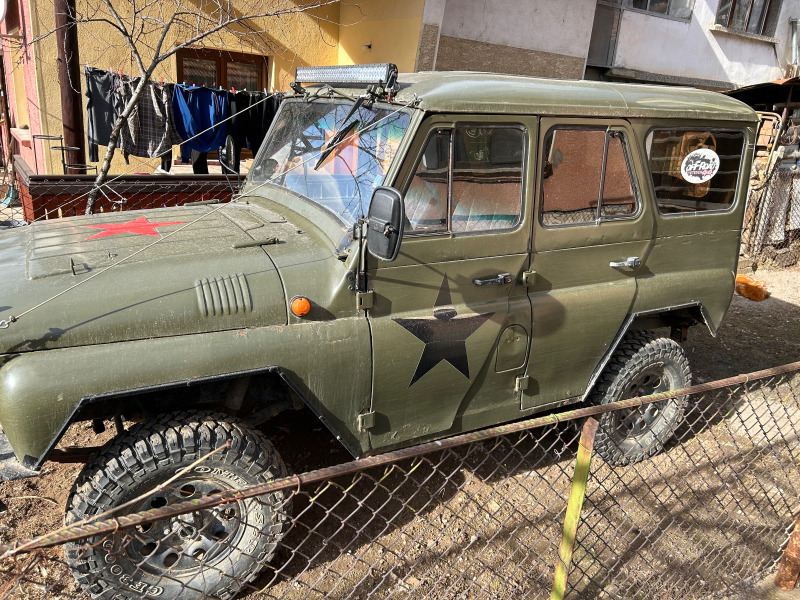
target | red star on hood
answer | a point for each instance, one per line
(140, 226)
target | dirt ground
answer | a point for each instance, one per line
(755, 335)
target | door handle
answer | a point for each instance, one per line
(499, 279)
(631, 261)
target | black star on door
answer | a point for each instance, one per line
(445, 334)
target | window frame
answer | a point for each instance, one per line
(728, 24)
(434, 130)
(628, 5)
(648, 145)
(609, 131)
(221, 58)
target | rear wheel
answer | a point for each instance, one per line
(643, 364)
(196, 555)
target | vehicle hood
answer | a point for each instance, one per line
(139, 274)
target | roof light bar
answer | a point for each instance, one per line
(381, 74)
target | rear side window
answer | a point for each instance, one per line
(694, 170)
(587, 177)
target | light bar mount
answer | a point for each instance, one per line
(380, 75)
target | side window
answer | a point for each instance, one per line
(586, 177)
(426, 197)
(487, 178)
(468, 179)
(693, 170)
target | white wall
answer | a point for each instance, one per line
(658, 45)
(556, 26)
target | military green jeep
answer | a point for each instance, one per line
(524, 240)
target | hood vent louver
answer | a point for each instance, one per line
(226, 295)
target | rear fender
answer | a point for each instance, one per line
(675, 316)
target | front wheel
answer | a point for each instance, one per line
(208, 553)
(643, 364)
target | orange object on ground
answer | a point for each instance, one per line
(750, 288)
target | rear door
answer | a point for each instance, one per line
(591, 240)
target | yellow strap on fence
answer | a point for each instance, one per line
(573, 515)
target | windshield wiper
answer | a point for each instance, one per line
(343, 131)
(335, 140)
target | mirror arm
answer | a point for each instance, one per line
(361, 274)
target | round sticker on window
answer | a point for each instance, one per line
(700, 166)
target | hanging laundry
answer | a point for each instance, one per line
(150, 130)
(253, 114)
(100, 115)
(196, 110)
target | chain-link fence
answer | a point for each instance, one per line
(518, 511)
(772, 222)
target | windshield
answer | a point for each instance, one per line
(299, 155)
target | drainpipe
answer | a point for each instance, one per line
(793, 25)
(69, 77)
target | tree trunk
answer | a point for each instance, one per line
(112, 144)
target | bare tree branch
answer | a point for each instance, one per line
(145, 28)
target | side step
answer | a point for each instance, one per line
(10, 467)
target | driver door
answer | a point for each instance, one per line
(451, 320)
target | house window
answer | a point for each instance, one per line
(215, 68)
(751, 16)
(680, 9)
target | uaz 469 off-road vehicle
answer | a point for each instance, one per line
(524, 239)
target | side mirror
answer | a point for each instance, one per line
(226, 156)
(385, 223)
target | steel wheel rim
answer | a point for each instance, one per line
(638, 421)
(187, 543)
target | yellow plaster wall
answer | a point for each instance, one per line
(329, 35)
(391, 27)
(291, 40)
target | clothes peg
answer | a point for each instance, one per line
(162, 81)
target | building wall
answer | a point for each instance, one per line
(692, 51)
(390, 28)
(547, 38)
(308, 38)
(21, 64)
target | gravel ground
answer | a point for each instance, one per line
(754, 335)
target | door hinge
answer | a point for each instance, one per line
(528, 278)
(366, 421)
(365, 300)
(521, 383)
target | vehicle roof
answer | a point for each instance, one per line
(464, 91)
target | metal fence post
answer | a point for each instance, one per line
(789, 567)
(574, 505)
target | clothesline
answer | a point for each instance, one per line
(195, 117)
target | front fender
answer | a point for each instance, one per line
(328, 362)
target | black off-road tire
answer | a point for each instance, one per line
(643, 364)
(209, 553)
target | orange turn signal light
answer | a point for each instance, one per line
(300, 306)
